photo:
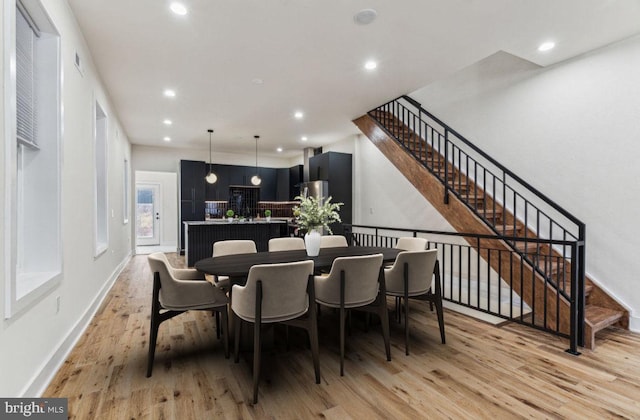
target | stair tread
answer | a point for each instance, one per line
(599, 317)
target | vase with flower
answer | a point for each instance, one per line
(313, 214)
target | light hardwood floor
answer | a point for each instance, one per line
(482, 372)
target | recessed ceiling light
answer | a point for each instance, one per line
(298, 115)
(167, 139)
(546, 46)
(168, 122)
(304, 138)
(365, 16)
(279, 149)
(257, 81)
(178, 8)
(170, 93)
(370, 65)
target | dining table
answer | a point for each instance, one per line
(237, 266)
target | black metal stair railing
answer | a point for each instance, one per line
(510, 206)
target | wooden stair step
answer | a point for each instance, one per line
(587, 289)
(529, 247)
(474, 201)
(509, 230)
(600, 318)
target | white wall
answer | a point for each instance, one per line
(570, 130)
(168, 182)
(34, 342)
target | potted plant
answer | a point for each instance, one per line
(267, 214)
(230, 214)
(312, 215)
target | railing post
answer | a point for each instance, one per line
(581, 274)
(574, 303)
(446, 166)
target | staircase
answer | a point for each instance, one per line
(477, 194)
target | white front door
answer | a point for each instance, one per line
(148, 217)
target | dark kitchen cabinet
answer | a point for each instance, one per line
(192, 193)
(295, 178)
(336, 169)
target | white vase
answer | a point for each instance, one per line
(312, 242)
(268, 218)
(230, 219)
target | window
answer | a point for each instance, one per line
(33, 116)
(101, 204)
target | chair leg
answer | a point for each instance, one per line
(342, 328)
(257, 347)
(155, 322)
(237, 326)
(225, 331)
(153, 337)
(217, 314)
(406, 326)
(315, 353)
(384, 320)
(440, 313)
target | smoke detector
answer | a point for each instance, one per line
(365, 16)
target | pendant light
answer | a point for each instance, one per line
(256, 180)
(211, 177)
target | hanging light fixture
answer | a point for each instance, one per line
(256, 180)
(211, 177)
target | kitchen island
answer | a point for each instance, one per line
(201, 235)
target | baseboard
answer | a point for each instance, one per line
(41, 380)
(634, 323)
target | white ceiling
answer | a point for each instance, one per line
(310, 56)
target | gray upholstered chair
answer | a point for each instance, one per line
(411, 244)
(179, 290)
(412, 277)
(286, 244)
(281, 293)
(231, 247)
(355, 283)
(333, 241)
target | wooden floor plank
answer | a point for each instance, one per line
(483, 372)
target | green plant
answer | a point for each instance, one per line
(230, 213)
(267, 213)
(313, 213)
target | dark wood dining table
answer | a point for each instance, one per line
(238, 266)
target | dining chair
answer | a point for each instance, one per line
(179, 290)
(355, 283)
(333, 241)
(276, 293)
(411, 244)
(416, 275)
(231, 247)
(286, 244)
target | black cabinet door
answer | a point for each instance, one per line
(220, 190)
(319, 167)
(269, 184)
(192, 181)
(295, 178)
(282, 184)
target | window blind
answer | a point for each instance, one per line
(26, 98)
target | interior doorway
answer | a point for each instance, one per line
(156, 212)
(148, 219)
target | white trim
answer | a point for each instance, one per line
(9, 76)
(100, 246)
(634, 323)
(14, 304)
(41, 380)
